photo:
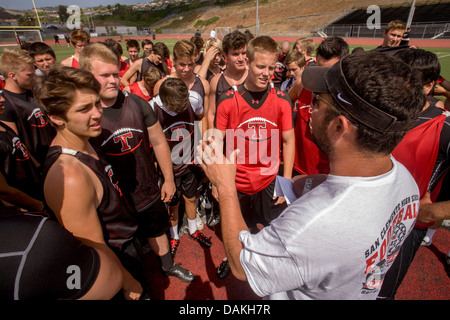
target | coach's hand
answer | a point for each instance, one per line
(219, 170)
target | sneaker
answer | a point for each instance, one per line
(426, 241)
(180, 273)
(223, 269)
(174, 243)
(201, 238)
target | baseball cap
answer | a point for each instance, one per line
(332, 80)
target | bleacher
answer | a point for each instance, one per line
(428, 22)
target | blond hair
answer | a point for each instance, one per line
(96, 52)
(261, 44)
(14, 61)
(213, 42)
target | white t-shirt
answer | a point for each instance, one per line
(212, 34)
(335, 242)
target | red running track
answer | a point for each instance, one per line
(423, 43)
(427, 278)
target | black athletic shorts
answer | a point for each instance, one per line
(187, 184)
(154, 220)
(260, 207)
(39, 259)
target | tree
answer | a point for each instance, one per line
(62, 12)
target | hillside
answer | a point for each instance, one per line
(278, 17)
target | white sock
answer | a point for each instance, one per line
(192, 224)
(430, 233)
(174, 232)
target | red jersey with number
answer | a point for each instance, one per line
(254, 126)
(309, 159)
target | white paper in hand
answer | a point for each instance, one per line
(283, 188)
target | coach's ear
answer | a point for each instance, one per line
(339, 126)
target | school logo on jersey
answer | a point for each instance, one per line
(19, 150)
(178, 131)
(110, 173)
(256, 129)
(279, 67)
(122, 141)
(39, 120)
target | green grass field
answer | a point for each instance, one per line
(62, 52)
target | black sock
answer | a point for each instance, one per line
(167, 261)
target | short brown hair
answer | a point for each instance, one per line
(55, 92)
(395, 24)
(14, 61)
(198, 42)
(174, 95)
(96, 51)
(151, 76)
(306, 44)
(132, 43)
(233, 41)
(261, 44)
(184, 49)
(297, 57)
(79, 36)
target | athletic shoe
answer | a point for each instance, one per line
(223, 269)
(201, 238)
(180, 273)
(174, 243)
(426, 241)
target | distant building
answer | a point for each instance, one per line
(110, 30)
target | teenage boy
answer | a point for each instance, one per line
(133, 49)
(43, 55)
(20, 181)
(234, 47)
(184, 55)
(21, 112)
(306, 46)
(177, 111)
(80, 188)
(79, 40)
(152, 58)
(257, 117)
(130, 132)
(144, 88)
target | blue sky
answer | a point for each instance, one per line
(28, 4)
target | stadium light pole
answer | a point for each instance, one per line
(411, 14)
(257, 19)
